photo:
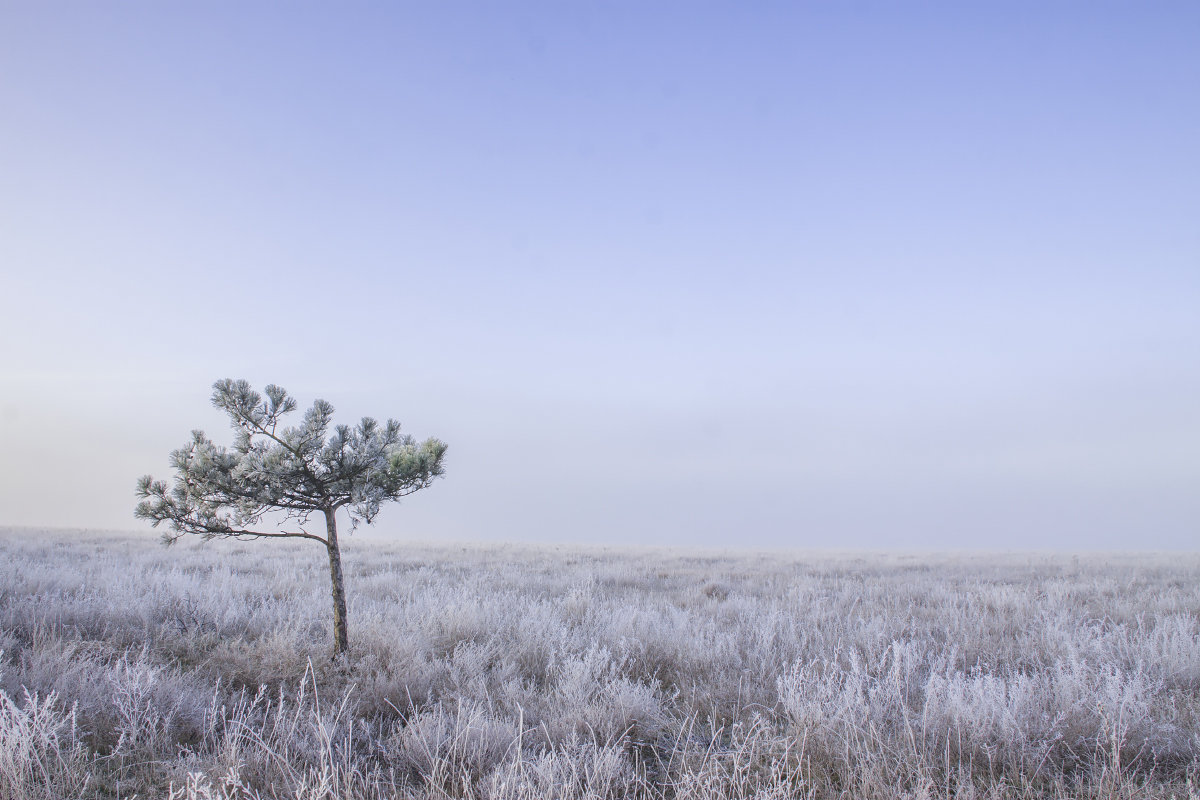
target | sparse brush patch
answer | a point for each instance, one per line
(41, 753)
(514, 673)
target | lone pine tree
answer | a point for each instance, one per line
(300, 471)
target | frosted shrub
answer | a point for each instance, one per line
(589, 696)
(1174, 642)
(750, 760)
(197, 786)
(41, 755)
(290, 740)
(455, 749)
(143, 719)
(1059, 718)
(572, 771)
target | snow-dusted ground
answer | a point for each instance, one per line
(544, 672)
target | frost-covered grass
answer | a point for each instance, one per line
(203, 671)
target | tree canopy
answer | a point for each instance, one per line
(224, 492)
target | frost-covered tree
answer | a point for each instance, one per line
(299, 471)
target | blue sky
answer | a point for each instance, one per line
(784, 274)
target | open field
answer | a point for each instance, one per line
(203, 671)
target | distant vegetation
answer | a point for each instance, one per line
(503, 672)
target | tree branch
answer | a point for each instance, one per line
(240, 534)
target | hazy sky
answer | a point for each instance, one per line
(772, 274)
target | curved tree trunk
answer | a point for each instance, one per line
(341, 642)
